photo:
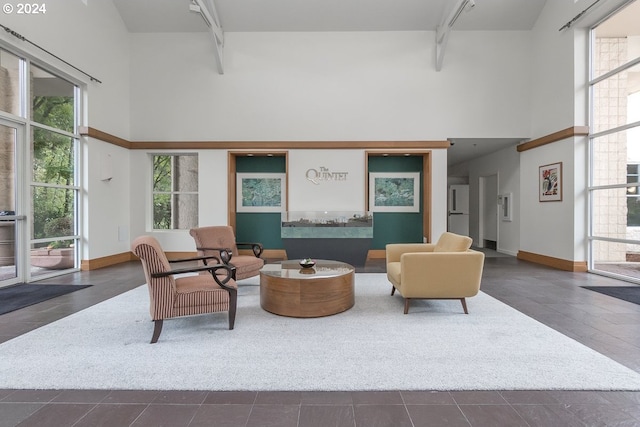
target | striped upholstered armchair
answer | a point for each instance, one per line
(188, 295)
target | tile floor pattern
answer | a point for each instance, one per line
(553, 297)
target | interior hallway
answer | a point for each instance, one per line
(552, 297)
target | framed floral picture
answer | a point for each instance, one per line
(550, 187)
(394, 191)
(260, 192)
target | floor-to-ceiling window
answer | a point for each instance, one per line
(614, 190)
(39, 151)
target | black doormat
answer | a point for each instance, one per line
(22, 295)
(627, 293)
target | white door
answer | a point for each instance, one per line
(458, 209)
(12, 219)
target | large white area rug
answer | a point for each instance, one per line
(372, 346)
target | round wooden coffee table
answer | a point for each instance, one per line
(290, 290)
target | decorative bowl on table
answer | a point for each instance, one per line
(307, 263)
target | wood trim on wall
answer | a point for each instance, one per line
(231, 190)
(554, 137)
(105, 137)
(257, 145)
(558, 263)
(96, 263)
(267, 253)
(286, 145)
(426, 182)
(107, 261)
(376, 254)
(427, 196)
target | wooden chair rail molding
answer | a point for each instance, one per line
(556, 136)
(253, 145)
(287, 145)
(105, 137)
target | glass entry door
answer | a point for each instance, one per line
(12, 218)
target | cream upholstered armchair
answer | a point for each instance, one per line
(183, 296)
(448, 269)
(220, 241)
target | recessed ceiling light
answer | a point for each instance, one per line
(250, 155)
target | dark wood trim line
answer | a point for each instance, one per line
(107, 261)
(258, 145)
(556, 136)
(96, 263)
(376, 254)
(285, 145)
(231, 190)
(427, 195)
(558, 263)
(105, 137)
(267, 254)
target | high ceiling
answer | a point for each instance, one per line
(159, 16)
(328, 15)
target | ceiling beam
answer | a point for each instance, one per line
(207, 10)
(444, 29)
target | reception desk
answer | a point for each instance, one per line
(340, 236)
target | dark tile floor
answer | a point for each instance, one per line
(553, 297)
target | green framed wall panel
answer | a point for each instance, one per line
(260, 227)
(253, 164)
(397, 227)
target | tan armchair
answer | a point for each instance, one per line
(221, 242)
(448, 269)
(183, 296)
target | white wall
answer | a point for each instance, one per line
(330, 86)
(439, 191)
(212, 203)
(506, 165)
(488, 208)
(548, 228)
(93, 38)
(344, 195)
(106, 210)
(559, 94)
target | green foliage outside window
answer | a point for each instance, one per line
(162, 201)
(54, 164)
(161, 212)
(175, 188)
(54, 111)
